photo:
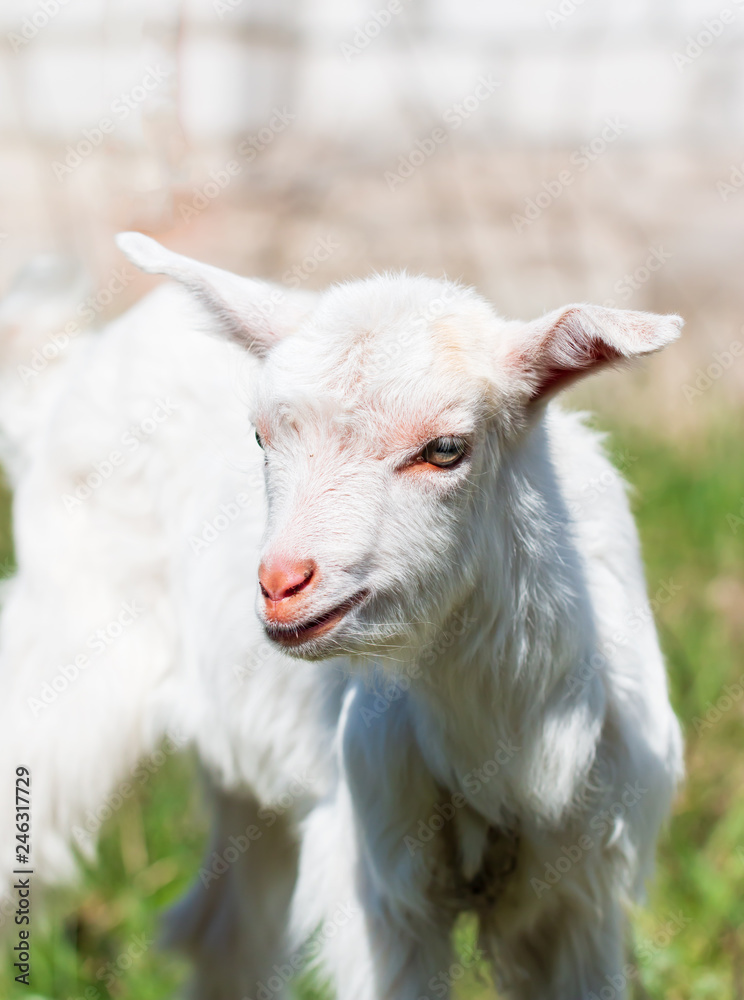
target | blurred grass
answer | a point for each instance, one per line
(689, 943)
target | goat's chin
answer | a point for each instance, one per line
(357, 648)
(354, 636)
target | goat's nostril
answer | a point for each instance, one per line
(281, 579)
(295, 588)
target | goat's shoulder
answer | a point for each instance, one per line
(593, 487)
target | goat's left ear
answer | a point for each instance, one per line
(255, 314)
(550, 353)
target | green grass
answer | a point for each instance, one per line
(683, 495)
(685, 499)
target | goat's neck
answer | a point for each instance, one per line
(524, 625)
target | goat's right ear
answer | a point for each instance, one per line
(255, 314)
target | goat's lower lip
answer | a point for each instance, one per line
(296, 633)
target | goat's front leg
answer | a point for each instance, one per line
(383, 953)
(561, 936)
(364, 890)
(568, 955)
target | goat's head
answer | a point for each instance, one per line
(384, 409)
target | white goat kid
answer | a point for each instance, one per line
(505, 743)
(418, 486)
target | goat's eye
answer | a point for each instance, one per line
(444, 452)
(258, 439)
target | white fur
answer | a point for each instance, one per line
(503, 659)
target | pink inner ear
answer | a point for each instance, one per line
(565, 359)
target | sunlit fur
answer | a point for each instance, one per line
(503, 632)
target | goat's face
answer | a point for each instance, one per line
(384, 409)
(374, 421)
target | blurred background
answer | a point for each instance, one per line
(547, 151)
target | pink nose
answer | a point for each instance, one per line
(282, 578)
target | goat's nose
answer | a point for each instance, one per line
(281, 578)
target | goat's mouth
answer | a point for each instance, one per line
(294, 634)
